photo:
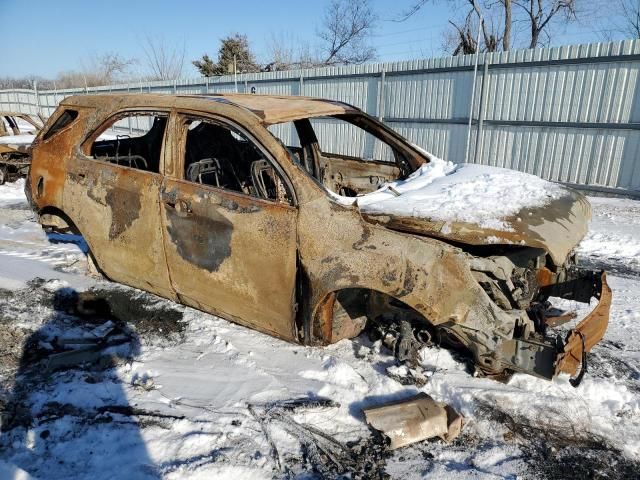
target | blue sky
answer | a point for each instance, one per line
(55, 35)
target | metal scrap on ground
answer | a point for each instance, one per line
(414, 419)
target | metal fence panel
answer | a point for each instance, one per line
(569, 114)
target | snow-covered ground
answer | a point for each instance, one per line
(23, 139)
(183, 394)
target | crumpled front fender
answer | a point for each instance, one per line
(587, 333)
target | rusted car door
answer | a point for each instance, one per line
(228, 251)
(113, 197)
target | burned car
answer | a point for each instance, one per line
(17, 131)
(306, 219)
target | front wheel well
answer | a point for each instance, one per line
(344, 313)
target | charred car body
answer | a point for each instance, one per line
(195, 199)
(17, 130)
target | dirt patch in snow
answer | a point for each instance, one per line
(556, 450)
(149, 315)
(32, 316)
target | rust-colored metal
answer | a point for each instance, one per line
(557, 227)
(591, 329)
(545, 277)
(272, 109)
(278, 264)
(6, 149)
(14, 163)
(325, 317)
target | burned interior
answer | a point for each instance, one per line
(248, 207)
(371, 158)
(223, 157)
(14, 123)
(137, 140)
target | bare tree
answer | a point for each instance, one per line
(345, 30)
(462, 38)
(344, 39)
(281, 53)
(506, 37)
(462, 41)
(537, 15)
(28, 81)
(489, 35)
(541, 12)
(106, 68)
(621, 21)
(630, 13)
(286, 53)
(163, 62)
(412, 10)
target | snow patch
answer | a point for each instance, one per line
(13, 472)
(12, 193)
(443, 191)
(202, 384)
(23, 139)
(614, 232)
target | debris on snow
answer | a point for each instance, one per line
(414, 419)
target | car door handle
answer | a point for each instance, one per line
(81, 177)
(182, 207)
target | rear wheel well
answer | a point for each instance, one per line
(55, 220)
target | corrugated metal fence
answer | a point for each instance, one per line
(569, 114)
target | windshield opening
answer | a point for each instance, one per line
(349, 154)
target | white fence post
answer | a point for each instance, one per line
(477, 154)
(380, 106)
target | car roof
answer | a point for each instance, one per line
(270, 109)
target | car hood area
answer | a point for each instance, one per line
(481, 205)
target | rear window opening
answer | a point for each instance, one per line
(63, 121)
(132, 140)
